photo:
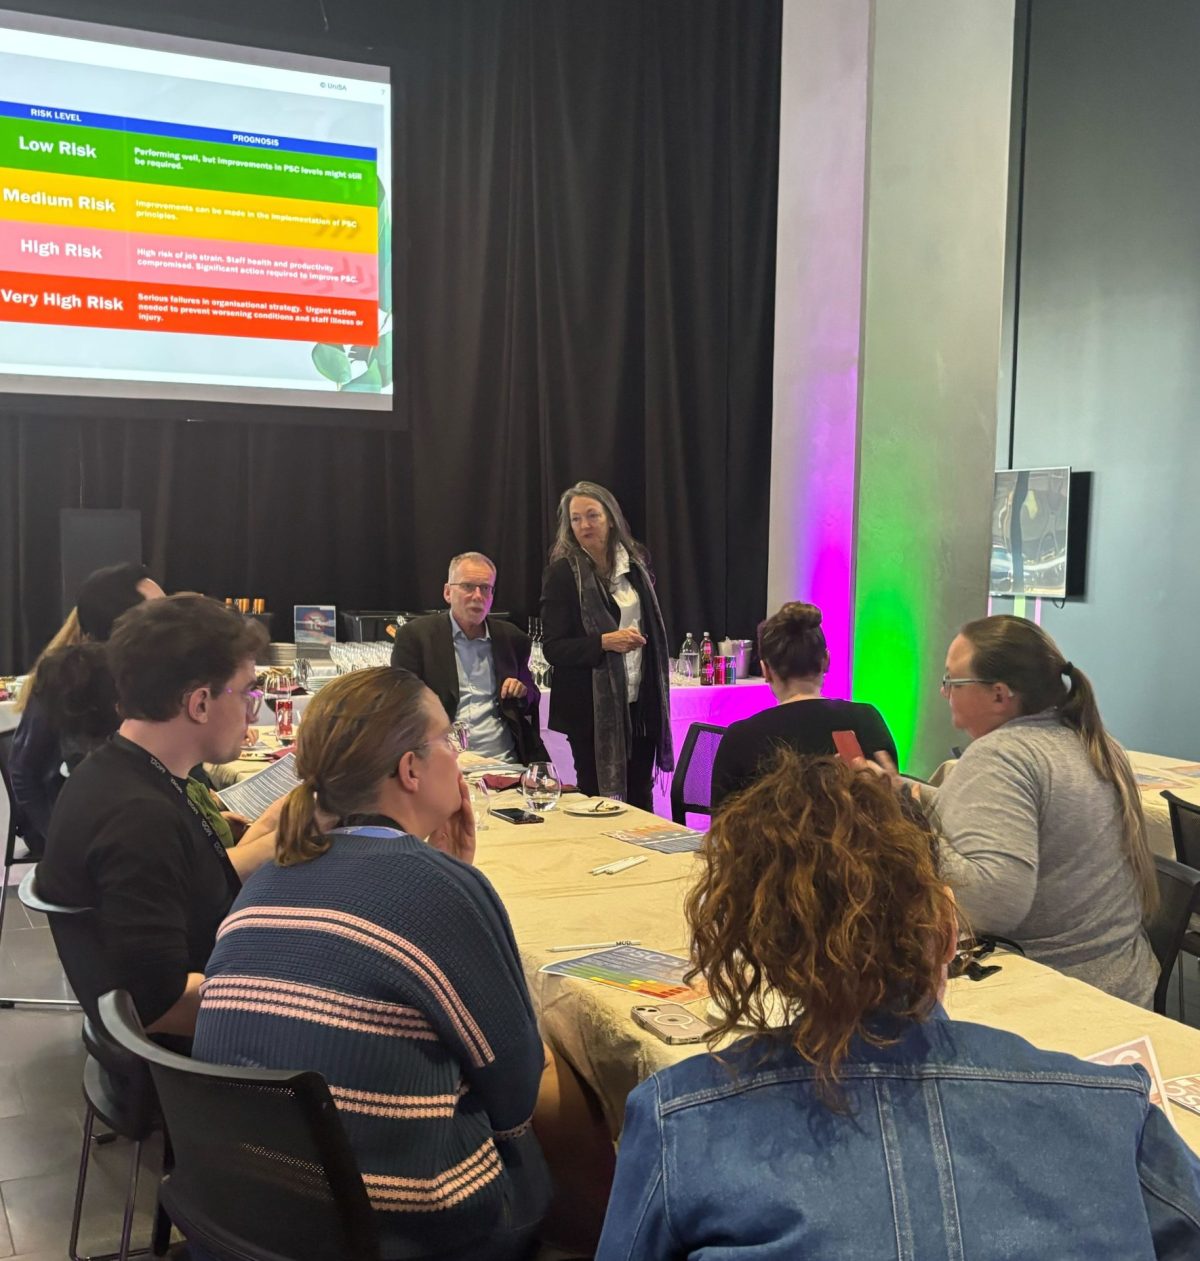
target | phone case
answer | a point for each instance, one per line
(670, 1023)
(514, 814)
(847, 745)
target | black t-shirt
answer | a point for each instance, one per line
(124, 841)
(807, 726)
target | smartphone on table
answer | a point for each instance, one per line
(671, 1023)
(515, 814)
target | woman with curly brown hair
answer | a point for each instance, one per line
(857, 1120)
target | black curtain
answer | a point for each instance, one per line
(585, 234)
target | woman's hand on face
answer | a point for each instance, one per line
(456, 836)
(622, 640)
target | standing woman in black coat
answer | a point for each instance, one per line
(604, 635)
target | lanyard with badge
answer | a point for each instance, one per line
(209, 833)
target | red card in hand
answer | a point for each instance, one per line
(847, 745)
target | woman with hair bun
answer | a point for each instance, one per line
(857, 1120)
(791, 647)
(1045, 840)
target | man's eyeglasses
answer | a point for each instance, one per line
(253, 699)
(485, 589)
(948, 683)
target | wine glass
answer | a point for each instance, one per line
(540, 787)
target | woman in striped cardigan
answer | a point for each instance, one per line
(387, 963)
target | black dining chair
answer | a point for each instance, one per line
(117, 1088)
(14, 857)
(1185, 828)
(1169, 932)
(260, 1167)
(691, 786)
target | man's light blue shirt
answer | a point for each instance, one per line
(478, 693)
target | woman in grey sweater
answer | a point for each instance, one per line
(1041, 821)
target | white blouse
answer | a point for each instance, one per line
(630, 606)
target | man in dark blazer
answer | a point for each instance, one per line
(477, 667)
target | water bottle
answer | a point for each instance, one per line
(689, 658)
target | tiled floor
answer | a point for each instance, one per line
(41, 1110)
(41, 1114)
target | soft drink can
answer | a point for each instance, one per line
(283, 719)
(730, 669)
(718, 669)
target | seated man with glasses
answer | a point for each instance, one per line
(132, 836)
(477, 666)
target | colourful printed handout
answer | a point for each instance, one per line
(648, 973)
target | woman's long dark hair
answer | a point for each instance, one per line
(1018, 652)
(565, 541)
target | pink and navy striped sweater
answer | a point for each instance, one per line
(390, 969)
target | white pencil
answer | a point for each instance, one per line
(613, 868)
(592, 945)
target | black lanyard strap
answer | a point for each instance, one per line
(146, 758)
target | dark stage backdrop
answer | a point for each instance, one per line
(588, 192)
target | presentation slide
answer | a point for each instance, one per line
(188, 220)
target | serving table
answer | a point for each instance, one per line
(690, 702)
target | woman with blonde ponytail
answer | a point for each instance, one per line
(1045, 840)
(373, 952)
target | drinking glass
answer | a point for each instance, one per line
(461, 733)
(480, 805)
(540, 787)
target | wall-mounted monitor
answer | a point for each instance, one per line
(1039, 532)
(186, 220)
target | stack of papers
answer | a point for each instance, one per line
(251, 796)
(666, 838)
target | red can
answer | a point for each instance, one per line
(719, 670)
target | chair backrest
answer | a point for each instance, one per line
(1179, 900)
(81, 953)
(261, 1166)
(1185, 828)
(691, 788)
(78, 944)
(9, 804)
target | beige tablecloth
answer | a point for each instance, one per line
(541, 873)
(1155, 773)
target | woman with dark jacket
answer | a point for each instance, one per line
(604, 635)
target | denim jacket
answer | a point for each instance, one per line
(963, 1143)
